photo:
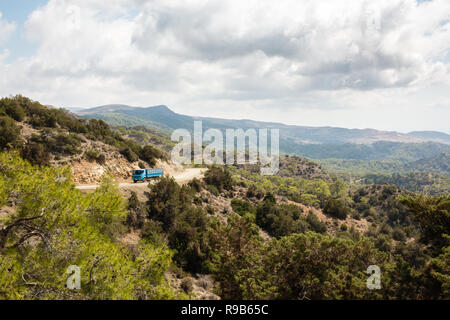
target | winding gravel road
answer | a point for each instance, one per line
(185, 176)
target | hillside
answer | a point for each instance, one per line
(54, 137)
(428, 176)
(439, 163)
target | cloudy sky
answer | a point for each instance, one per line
(382, 64)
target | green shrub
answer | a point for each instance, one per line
(150, 154)
(398, 234)
(336, 208)
(136, 212)
(254, 192)
(187, 285)
(12, 108)
(129, 154)
(220, 178)
(315, 224)
(64, 144)
(385, 229)
(36, 153)
(241, 207)
(43, 119)
(196, 185)
(3, 194)
(280, 220)
(9, 134)
(213, 190)
(93, 155)
(98, 130)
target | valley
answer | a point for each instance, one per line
(212, 232)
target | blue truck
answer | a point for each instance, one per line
(146, 174)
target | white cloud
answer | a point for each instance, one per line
(245, 58)
(6, 29)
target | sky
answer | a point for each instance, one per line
(382, 64)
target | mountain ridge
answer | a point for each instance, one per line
(163, 116)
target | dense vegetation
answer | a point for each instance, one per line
(408, 240)
(301, 259)
(381, 150)
(53, 226)
(428, 176)
(421, 182)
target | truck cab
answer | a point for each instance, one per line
(138, 175)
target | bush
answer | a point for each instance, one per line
(43, 119)
(336, 208)
(165, 202)
(129, 154)
(187, 285)
(315, 224)
(385, 229)
(36, 154)
(254, 192)
(93, 155)
(65, 144)
(244, 209)
(196, 185)
(383, 243)
(98, 130)
(398, 234)
(280, 220)
(9, 134)
(220, 178)
(213, 190)
(136, 212)
(241, 207)
(150, 154)
(101, 159)
(152, 231)
(10, 107)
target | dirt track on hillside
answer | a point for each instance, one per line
(182, 177)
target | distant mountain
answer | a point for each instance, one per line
(165, 117)
(432, 136)
(312, 142)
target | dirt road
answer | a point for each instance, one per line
(185, 176)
